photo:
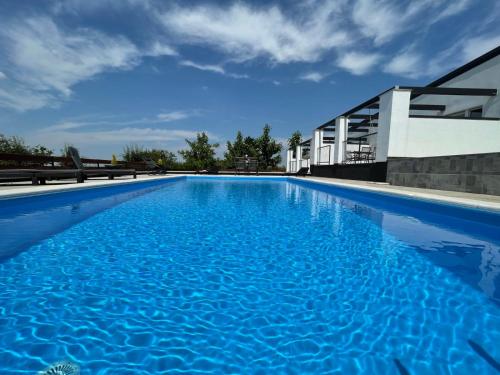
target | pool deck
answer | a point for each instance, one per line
(490, 202)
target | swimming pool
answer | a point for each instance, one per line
(227, 275)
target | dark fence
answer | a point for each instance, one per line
(365, 172)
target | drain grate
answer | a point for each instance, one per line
(61, 368)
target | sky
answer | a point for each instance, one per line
(101, 74)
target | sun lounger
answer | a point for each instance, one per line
(40, 176)
(154, 167)
(98, 172)
(302, 171)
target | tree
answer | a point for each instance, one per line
(294, 141)
(200, 154)
(269, 149)
(164, 158)
(13, 145)
(40, 150)
(16, 145)
(136, 153)
(133, 153)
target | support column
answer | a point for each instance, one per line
(289, 159)
(315, 145)
(393, 123)
(340, 137)
(298, 157)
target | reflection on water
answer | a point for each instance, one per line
(254, 277)
(469, 249)
(25, 221)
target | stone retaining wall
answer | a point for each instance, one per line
(475, 173)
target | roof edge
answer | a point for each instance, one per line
(465, 68)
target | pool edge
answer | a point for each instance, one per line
(429, 197)
(89, 184)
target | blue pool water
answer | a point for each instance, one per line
(244, 276)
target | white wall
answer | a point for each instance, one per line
(484, 76)
(393, 123)
(437, 137)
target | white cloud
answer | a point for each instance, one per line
(412, 64)
(358, 63)
(44, 61)
(123, 135)
(210, 68)
(107, 141)
(160, 49)
(313, 76)
(46, 58)
(23, 99)
(382, 20)
(219, 69)
(476, 46)
(244, 32)
(453, 8)
(65, 125)
(461, 52)
(47, 61)
(119, 121)
(408, 63)
(173, 116)
(79, 7)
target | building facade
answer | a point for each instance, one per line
(445, 135)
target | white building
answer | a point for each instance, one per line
(445, 135)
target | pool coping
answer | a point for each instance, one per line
(30, 191)
(380, 188)
(426, 195)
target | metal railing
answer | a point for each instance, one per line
(365, 152)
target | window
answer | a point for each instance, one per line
(476, 112)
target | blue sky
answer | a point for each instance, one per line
(100, 74)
